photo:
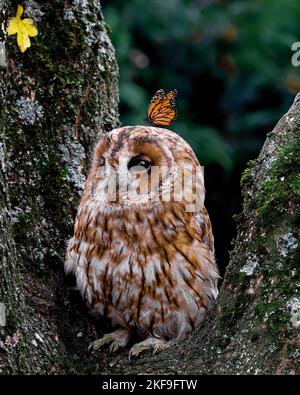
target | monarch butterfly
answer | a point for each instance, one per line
(161, 110)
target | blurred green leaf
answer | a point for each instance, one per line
(230, 61)
(207, 144)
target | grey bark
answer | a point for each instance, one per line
(254, 326)
(57, 100)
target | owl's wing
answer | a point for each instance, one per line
(71, 257)
(204, 228)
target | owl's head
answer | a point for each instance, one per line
(143, 165)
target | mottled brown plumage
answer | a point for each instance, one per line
(144, 258)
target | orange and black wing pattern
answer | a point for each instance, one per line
(162, 109)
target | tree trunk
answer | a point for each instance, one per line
(254, 326)
(57, 99)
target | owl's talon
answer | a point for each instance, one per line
(116, 340)
(149, 344)
(159, 347)
(96, 344)
(114, 347)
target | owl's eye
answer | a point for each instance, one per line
(138, 163)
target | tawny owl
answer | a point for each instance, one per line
(143, 248)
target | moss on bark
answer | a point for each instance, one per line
(254, 326)
(58, 98)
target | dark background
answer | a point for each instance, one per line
(231, 64)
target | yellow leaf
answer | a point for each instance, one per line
(13, 26)
(23, 41)
(30, 27)
(19, 11)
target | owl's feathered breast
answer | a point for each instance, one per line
(150, 269)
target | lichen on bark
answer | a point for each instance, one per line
(58, 98)
(254, 326)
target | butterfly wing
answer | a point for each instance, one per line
(165, 118)
(162, 109)
(171, 95)
(156, 100)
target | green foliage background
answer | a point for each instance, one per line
(230, 62)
